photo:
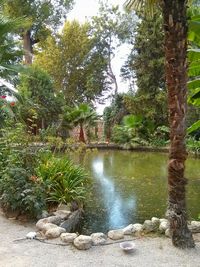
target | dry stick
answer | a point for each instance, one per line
(60, 244)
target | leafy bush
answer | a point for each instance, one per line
(21, 191)
(31, 177)
(160, 137)
(15, 149)
(162, 132)
(193, 145)
(49, 131)
(121, 135)
(65, 182)
(131, 132)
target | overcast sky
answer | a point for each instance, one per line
(85, 9)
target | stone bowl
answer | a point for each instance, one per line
(127, 246)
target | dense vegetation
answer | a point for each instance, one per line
(53, 75)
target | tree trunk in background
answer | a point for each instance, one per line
(27, 44)
(81, 134)
(113, 78)
(175, 27)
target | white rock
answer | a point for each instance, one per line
(164, 225)
(194, 226)
(98, 238)
(54, 232)
(63, 214)
(168, 233)
(31, 235)
(116, 234)
(68, 237)
(163, 220)
(54, 219)
(48, 226)
(156, 222)
(40, 224)
(128, 230)
(148, 226)
(83, 242)
(137, 228)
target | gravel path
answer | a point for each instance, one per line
(150, 252)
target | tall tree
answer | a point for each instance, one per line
(145, 65)
(40, 103)
(175, 29)
(114, 114)
(111, 28)
(42, 14)
(146, 60)
(71, 58)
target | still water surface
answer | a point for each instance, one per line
(129, 187)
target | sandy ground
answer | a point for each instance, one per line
(150, 252)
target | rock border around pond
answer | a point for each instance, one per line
(51, 228)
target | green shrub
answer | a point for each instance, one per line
(121, 135)
(65, 182)
(31, 177)
(160, 137)
(193, 145)
(22, 191)
(15, 149)
(133, 131)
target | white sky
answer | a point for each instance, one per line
(88, 8)
(85, 9)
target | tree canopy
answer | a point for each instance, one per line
(43, 17)
(73, 62)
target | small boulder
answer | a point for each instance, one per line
(73, 221)
(116, 234)
(164, 225)
(137, 228)
(148, 226)
(83, 242)
(40, 224)
(194, 226)
(64, 207)
(63, 214)
(48, 226)
(128, 230)
(98, 238)
(68, 237)
(156, 222)
(168, 233)
(54, 232)
(55, 220)
(163, 220)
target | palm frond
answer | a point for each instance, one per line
(148, 7)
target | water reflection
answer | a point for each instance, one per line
(117, 207)
(130, 187)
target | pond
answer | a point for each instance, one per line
(130, 187)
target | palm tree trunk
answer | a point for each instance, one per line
(175, 27)
(27, 44)
(81, 134)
